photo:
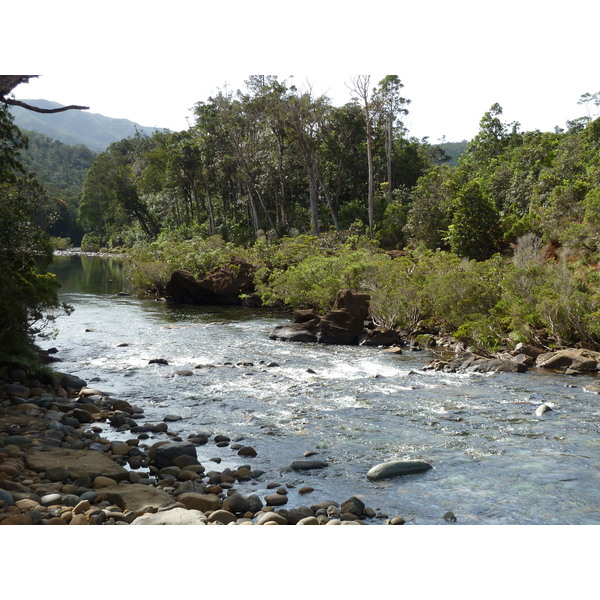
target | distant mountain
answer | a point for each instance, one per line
(76, 126)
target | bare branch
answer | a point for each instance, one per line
(9, 82)
(14, 102)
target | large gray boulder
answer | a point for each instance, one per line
(396, 468)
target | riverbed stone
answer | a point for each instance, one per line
(343, 324)
(295, 515)
(575, 359)
(593, 388)
(135, 497)
(80, 463)
(236, 503)
(247, 451)
(202, 502)
(69, 381)
(541, 409)
(276, 500)
(467, 362)
(271, 517)
(353, 506)
(222, 516)
(163, 454)
(174, 516)
(307, 465)
(396, 468)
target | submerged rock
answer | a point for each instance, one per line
(306, 465)
(396, 468)
(467, 362)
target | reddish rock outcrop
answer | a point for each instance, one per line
(344, 324)
(223, 286)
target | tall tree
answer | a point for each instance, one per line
(306, 119)
(392, 106)
(360, 87)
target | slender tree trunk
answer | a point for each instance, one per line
(211, 219)
(389, 157)
(370, 167)
(360, 86)
(313, 187)
(254, 212)
(282, 207)
(328, 199)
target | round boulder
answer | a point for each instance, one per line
(397, 467)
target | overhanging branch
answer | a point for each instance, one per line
(9, 82)
(14, 102)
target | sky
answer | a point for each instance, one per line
(150, 62)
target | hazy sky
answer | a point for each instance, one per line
(150, 62)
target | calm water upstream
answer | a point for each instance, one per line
(494, 461)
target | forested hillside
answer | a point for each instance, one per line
(76, 127)
(62, 169)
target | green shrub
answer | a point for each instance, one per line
(91, 243)
(315, 281)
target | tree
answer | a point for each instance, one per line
(360, 88)
(28, 293)
(473, 232)
(306, 118)
(429, 215)
(110, 202)
(392, 105)
(491, 141)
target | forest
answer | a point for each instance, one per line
(498, 246)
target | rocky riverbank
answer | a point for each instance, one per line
(59, 467)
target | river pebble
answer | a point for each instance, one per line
(168, 485)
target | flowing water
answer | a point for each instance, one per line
(494, 461)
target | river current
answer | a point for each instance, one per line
(494, 461)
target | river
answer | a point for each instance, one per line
(494, 461)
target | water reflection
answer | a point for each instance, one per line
(90, 274)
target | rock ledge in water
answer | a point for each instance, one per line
(397, 467)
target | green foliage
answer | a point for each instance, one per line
(61, 169)
(28, 294)
(91, 243)
(315, 281)
(396, 290)
(474, 229)
(429, 215)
